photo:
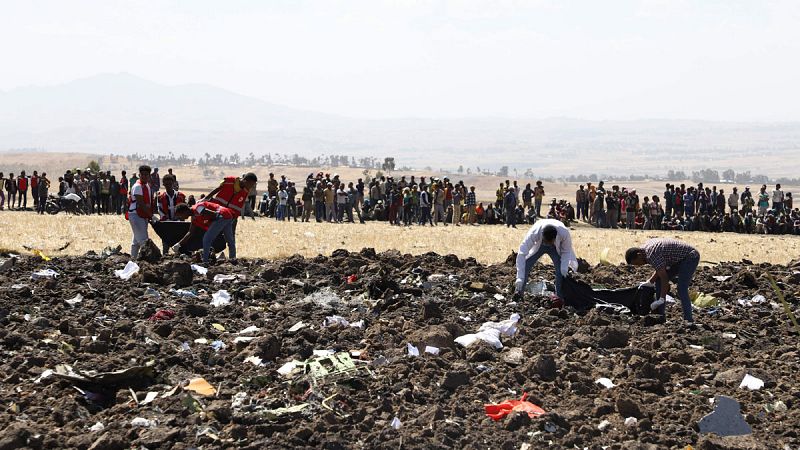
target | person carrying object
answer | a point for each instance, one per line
(213, 219)
(670, 258)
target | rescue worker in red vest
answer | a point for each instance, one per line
(211, 218)
(140, 210)
(22, 188)
(233, 193)
(35, 189)
(169, 199)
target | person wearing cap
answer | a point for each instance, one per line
(671, 259)
(546, 237)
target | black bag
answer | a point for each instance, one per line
(582, 297)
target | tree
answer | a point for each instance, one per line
(94, 166)
(388, 164)
(460, 169)
(729, 175)
(503, 172)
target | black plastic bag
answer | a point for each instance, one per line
(582, 297)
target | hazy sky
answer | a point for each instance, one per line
(725, 60)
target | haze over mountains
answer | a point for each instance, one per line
(122, 113)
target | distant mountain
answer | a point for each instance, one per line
(122, 113)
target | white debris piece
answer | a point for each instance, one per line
(254, 360)
(199, 269)
(298, 326)
(128, 271)
(98, 426)
(412, 350)
(149, 397)
(243, 339)
(431, 350)
(140, 422)
(75, 300)
(751, 382)
(490, 332)
(250, 329)
(46, 373)
(605, 382)
(287, 368)
(359, 324)
(44, 274)
(220, 298)
(603, 425)
(396, 424)
(221, 278)
(331, 321)
(757, 299)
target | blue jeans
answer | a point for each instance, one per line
(281, 214)
(531, 261)
(684, 271)
(537, 206)
(218, 226)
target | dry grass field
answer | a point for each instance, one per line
(266, 238)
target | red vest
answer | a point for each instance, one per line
(203, 221)
(34, 182)
(163, 202)
(23, 184)
(229, 198)
(139, 207)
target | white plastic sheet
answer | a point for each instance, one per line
(412, 350)
(490, 332)
(199, 269)
(220, 298)
(44, 274)
(605, 382)
(128, 271)
(751, 382)
(75, 300)
(431, 350)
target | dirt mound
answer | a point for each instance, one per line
(314, 352)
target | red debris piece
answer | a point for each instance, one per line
(163, 314)
(500, 410)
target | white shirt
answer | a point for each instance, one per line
(777, 196)
(135, 190)
(533, 240)
(283, 197)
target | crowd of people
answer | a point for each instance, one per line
(690, 208)
(408, 200)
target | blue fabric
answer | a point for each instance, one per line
(224, 226)
(545, 249)
(684, 271)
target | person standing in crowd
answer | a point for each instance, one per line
(213, 219)
(538, 194)
(22, 190)
(155, 181)
(777, 198)
(42, 188)
(510, 208)
(11, 190)
(471, 204)
(580, 198)
(438, 204)
(631, 206)
(35, 189)
(612, 208)
(330, 200)
(140, 210)
(458, 200)
(283, 200)
(733, 202)
(598, 214)
(2, 191)
(763, 201)
(291, 201)
(669, 200)
(308, 199)
(353, 203)
(670, 258)
(424, 208)
(105, 190)
(550, 237)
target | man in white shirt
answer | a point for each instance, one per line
(777, 198)
(551, 237)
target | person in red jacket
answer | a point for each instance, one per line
(35, 189)
(169, 199)
(233, 192)
(22, 188)
(213, 219)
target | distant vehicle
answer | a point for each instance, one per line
(70, 203)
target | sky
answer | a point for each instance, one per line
(730, 60)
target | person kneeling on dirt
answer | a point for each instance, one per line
(670, 258)
(551, 237)
(213, 219)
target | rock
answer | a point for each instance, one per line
(517, 420)
(455, 378)
(268, 274)
(477, 286)
(155, 437)
(746, 278)
(178, 273)
(513, 356)
(544, 366)
(431, 310)
(267, 347)
(109, 441)
(149, 252)
(441, 336)
(725, 420)
(745, 442)
(14, 436)
(628, 408)
(197, 310)
(613, 337)
(152, 275)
